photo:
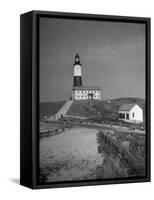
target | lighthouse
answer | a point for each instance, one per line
(77, 79)
(79, 91)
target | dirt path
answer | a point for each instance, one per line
(71, 155)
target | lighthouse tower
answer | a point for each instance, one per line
(77, 79)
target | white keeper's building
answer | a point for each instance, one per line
(79, 91)
(83, 93)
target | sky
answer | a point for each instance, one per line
(112, 56)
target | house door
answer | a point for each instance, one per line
(90, 96)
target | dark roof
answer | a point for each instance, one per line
(87, 88)
(126, 107)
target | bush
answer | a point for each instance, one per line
(119, 161)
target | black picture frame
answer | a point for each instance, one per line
(29, 98)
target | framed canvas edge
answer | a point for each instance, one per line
(25, 98)
(35, 105)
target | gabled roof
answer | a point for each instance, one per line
(87, 88)
(126, 107)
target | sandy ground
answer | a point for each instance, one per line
(71, 155)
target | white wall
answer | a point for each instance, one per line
(9, 101)
(138, 114)
(77, 70)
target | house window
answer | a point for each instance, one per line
(133, 115)
(127, 116)
(122, 115)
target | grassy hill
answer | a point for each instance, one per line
(93, 109)
(120, 101)
(102, 110)
(50, 108)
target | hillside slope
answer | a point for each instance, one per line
(120, 101)
(93, 109)
(106, 110)
(50, 108)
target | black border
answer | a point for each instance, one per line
(35, 97)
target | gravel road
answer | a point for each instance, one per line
(71, 155)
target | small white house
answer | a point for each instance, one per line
(131, 113)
